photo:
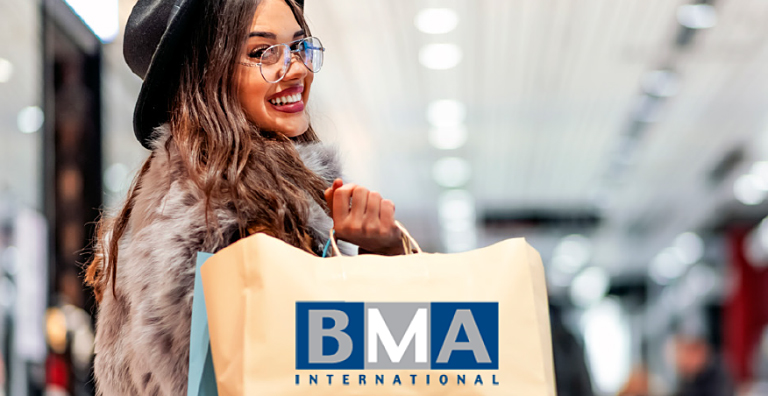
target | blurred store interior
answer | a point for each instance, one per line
(627, 141)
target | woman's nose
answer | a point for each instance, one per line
(296, 69)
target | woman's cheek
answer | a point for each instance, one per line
(255, 106)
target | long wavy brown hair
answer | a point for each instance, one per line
(259, 172)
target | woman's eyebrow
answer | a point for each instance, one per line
(263, 34)
(273, 36)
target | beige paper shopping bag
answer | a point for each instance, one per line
(257, 291)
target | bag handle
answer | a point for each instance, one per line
(410, 246)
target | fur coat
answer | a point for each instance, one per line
(142, 335)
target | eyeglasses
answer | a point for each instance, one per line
(275, 60)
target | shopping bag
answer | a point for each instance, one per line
(285, 322)
(202, 379)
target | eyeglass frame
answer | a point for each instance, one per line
(291, 53)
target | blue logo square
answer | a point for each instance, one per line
(330, 335)
(464, 335)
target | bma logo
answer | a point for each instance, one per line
(356, 335)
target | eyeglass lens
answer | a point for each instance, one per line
(276, 59)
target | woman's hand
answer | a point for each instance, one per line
(362, 217)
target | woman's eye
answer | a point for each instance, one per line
(297, 46)
(257, 52)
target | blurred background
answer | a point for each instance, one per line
(627, 141)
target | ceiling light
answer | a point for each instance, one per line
(697, 16)
(436, 20)
(689, 247)
(457, 204)
(448, 137)
(451, 172)
(456, 210)
(446, 113)
(101, 17)
(572, 253)
(459, 241)
(30, 119)
(440, 56)
(666, 266)
(661, 83)
(748, 190)
(6, 70)
(589, 286)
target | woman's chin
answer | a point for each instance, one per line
(295, 134)
(292, 132)
(293, 129)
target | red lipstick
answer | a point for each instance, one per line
(294, 107)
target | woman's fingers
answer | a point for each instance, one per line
(371, 222)
(387, 214)
(329, 198)
(359, 201)
(362, 217)
(329, 192)
(341, 198)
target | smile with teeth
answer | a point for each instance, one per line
(283, 100)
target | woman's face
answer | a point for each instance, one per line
(272, 24)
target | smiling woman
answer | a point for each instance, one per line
(222, 109)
